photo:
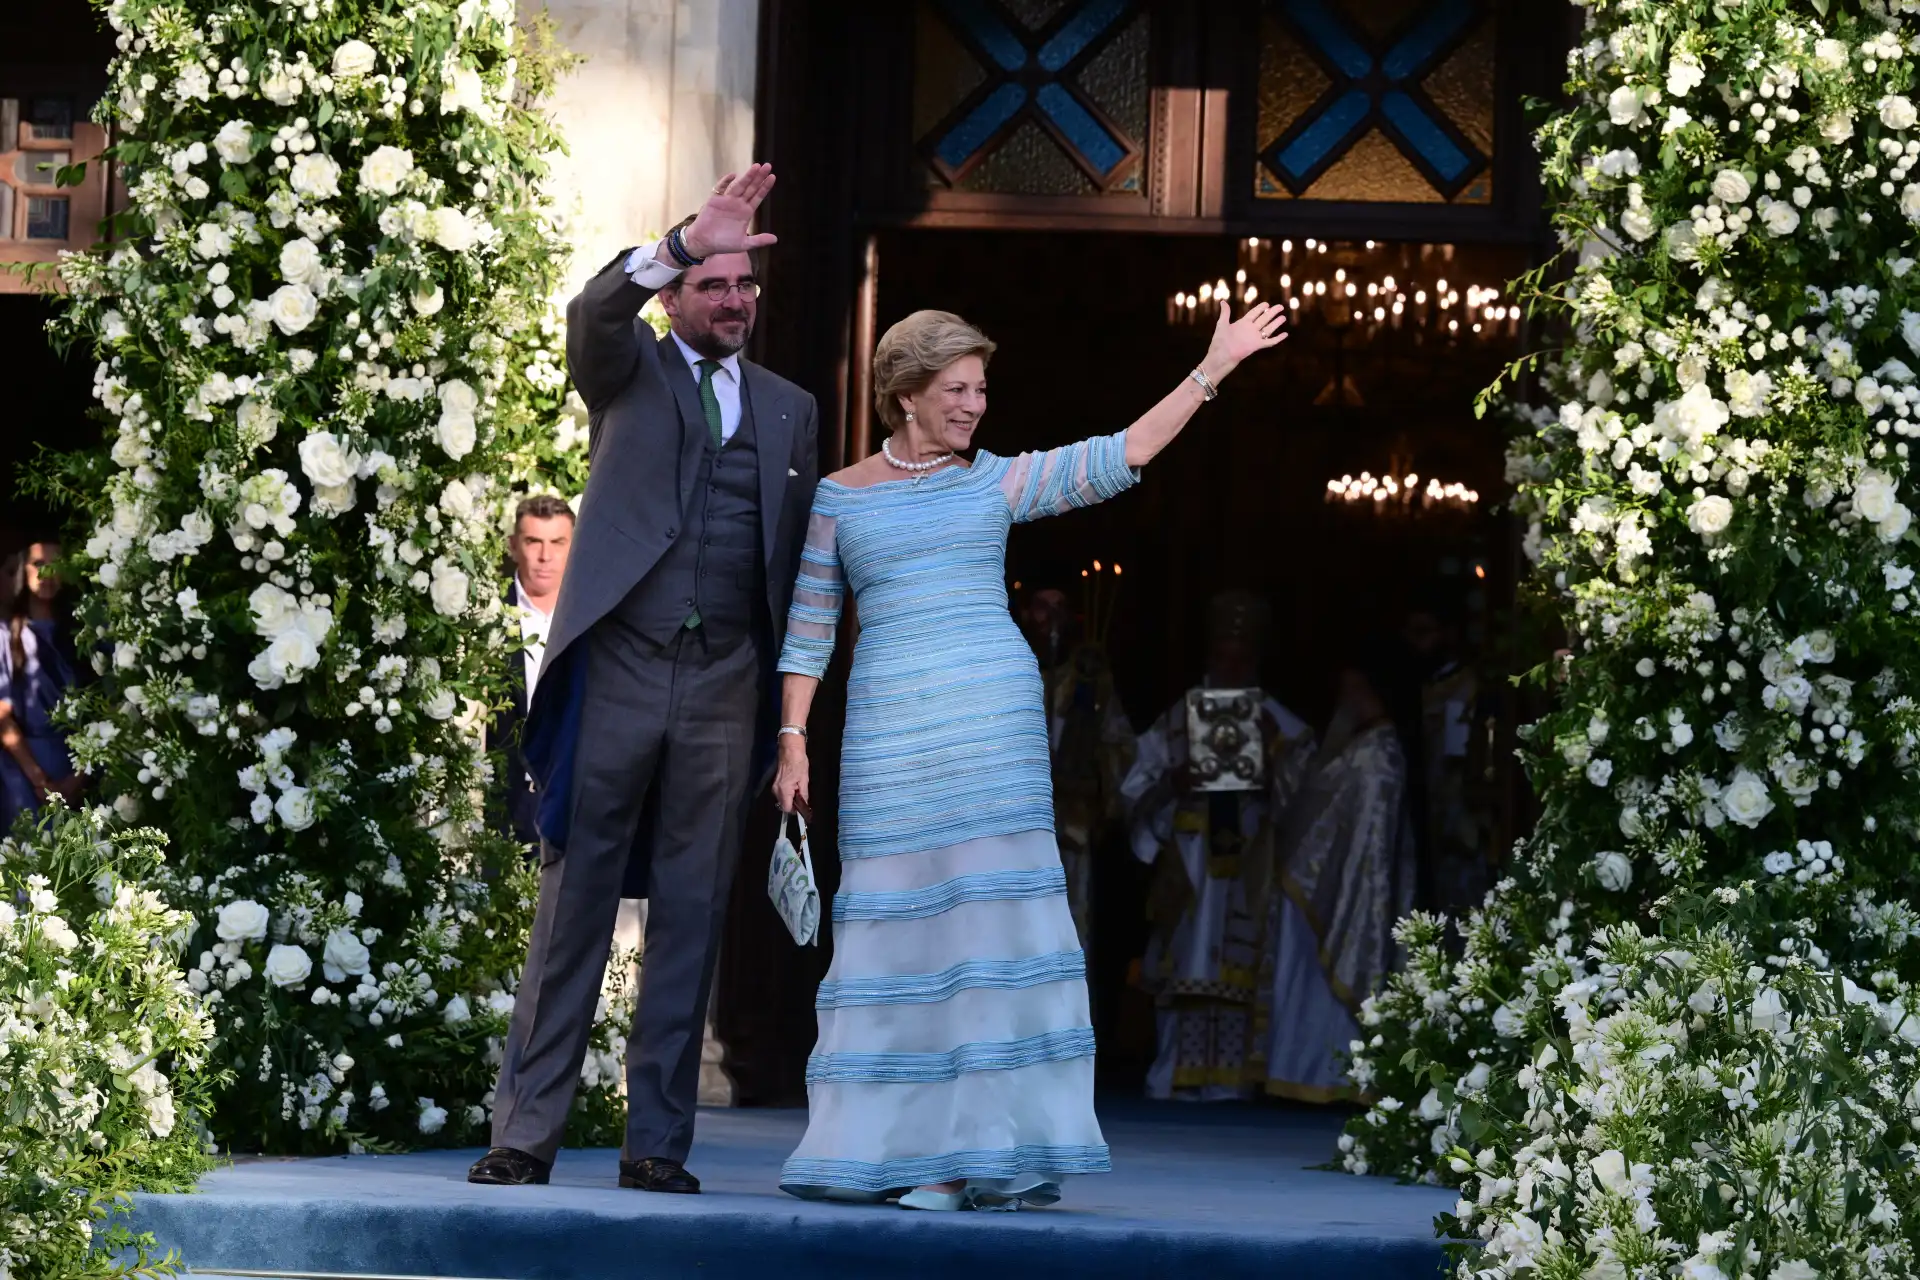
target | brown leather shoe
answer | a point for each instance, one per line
(506, 1167)
(657, 1173)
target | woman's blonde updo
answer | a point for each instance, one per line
(912, 353)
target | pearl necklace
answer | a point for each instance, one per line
(886, 447)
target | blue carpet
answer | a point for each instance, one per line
(1215, 1193)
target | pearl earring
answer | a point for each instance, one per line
(909, 415)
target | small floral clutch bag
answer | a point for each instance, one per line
(791, 886)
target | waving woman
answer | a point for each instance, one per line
(954, 1066)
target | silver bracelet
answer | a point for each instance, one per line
(798, 730)
(1206, 384)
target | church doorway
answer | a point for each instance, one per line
(1344, 479)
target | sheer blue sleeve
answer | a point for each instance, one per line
(1055, 481)
(814, 619)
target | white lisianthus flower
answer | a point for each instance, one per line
(1732, 187)
(462, 91)
(1910, 201)
(354, 58)
(427, 298)
(1830, 55)
(1610, 1171)
(1710, 515)
(1836, 127)
(242, 920)
(161, 1116)
(1599, 771)
(295, 805)
(1874, 496)
(1613, 870)
(456, 1010)
(1638, 224)
(1769, 1011)
(300, 262)
(327, 460)
(457, 500)
(234, 142)
(1897, 112)
(315, 176)
(287, 965)
(451, 230)
(1793, 1269)
(432, 1119)
(1626, 107)
(449, 589)
(1746, 799)
(292, 307)
(344, 956)
(1684, 75)
(441, 704)
(279, 87)
(385, 170)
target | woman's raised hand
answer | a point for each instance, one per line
(721, 225)
(1259, 327)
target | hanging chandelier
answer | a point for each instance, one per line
(1364, 289)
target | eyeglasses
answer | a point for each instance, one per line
(717, 290)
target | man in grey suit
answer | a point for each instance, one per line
(653, 718)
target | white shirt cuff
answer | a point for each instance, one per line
(647, 271)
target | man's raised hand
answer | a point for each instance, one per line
(722, 224)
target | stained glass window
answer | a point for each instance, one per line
(1376, 100)
(1032, 97)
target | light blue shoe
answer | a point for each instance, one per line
(937, 1201)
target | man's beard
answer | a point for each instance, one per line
(716, 347)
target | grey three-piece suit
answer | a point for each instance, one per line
(653, 718)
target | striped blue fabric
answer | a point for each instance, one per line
(932, 1068)
(861, 1175)
(968, 975)
(938, 899)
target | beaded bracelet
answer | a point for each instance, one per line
(677, 249)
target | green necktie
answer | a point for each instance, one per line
(710, 403)
(710, 407)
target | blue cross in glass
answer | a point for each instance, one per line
(1030, 77)
(1377, 87)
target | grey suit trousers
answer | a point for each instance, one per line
(677, 721)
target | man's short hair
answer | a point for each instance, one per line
(541, 506)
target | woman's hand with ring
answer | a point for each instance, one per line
(1261, 326)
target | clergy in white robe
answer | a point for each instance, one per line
(1344, 875)
(1203, 960)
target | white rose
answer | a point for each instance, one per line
(427, 298)
(316, 176)
(1768, 1011)
(457, 1010)
(1837, 127)
(300, 262)
(448, 590)
(432, 1119)
(274, 610)
(1610, 1171)
(242, 920)
(278, 87)
(1638, 223)
(1613, 870)
(450, 229)
(293, 308)
(327, 461)
(354, 58)
(1895, 526)
(458, 397)
(1874, 496)
(1779, 218)
(1897, 112)
(1746, 799)
(295, 805)
(1910, 201)
(1710, 515)
(234, 142)
(385, 169)
(161, 1116)
(345, 955)
(1599, 772)
(287, 965)
(456, 434)
(441, 704)
(457, 500)
(462, 91)
(1732, 187)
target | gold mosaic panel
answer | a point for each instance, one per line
(1035, 14)
(1463, 86)
(1029, 163)
(1379, 19)
(1373, 170)
(1290, 82)
(1117, 79)
(944, 73)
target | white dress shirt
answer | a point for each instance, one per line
(650, 273)
(534, 625)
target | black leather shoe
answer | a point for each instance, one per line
(657, 1173)
(505, 1167)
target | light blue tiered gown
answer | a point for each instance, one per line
(955, 1039)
